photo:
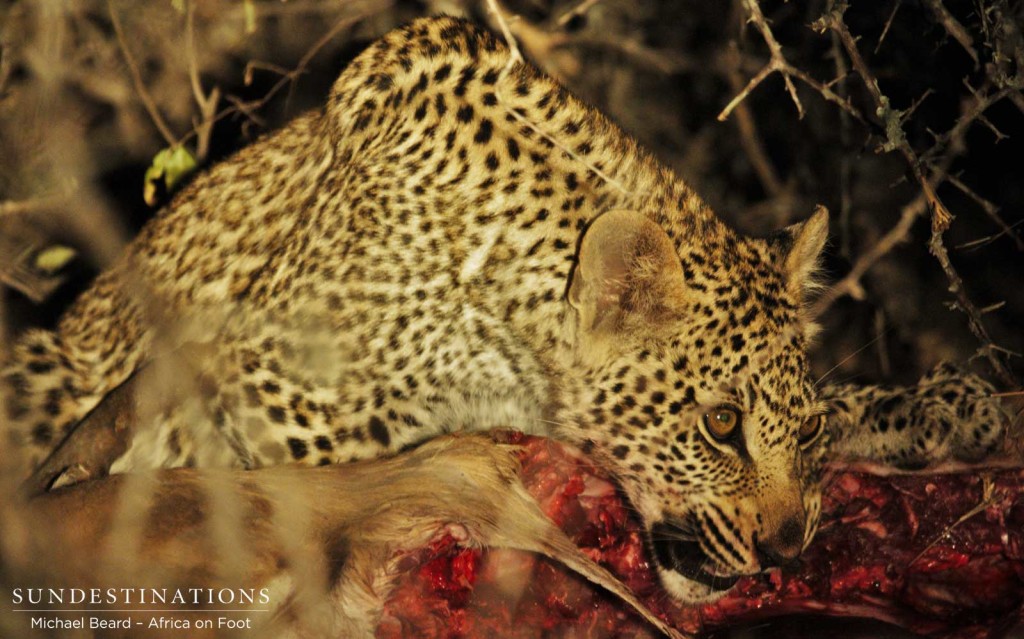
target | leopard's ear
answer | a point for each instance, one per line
(627, 265)
(802, 244)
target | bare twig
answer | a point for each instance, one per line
(953, 27)
(956, 286)
(993, 307)
(845, 137)
(514, 55)
(207, 103)
(1019, 393)
(775, 49)
(953, 139)
(751, 85)
(247, 107)
(990, 210)
(6, 66)
(140, 85)
(827, 93)
(988, 238)
(888, 24)
(905, 115)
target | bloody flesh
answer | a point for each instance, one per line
(937, 554)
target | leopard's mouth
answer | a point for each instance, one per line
(673, 552)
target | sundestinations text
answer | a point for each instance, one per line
(144, 596)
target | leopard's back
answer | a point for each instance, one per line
(418, 207)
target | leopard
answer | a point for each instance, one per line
(455, 242)
(948, 414)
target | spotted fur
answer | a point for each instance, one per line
(422, 256)
(948, 414)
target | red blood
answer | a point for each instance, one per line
(892, 548)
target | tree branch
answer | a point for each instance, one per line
(140, 85)
(940, 215)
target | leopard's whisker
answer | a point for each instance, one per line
(851, 356)
(552, 422)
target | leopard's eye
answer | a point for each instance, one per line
(722, 421)
(810, 429)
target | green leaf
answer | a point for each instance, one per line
(54, 258)
(169, 166)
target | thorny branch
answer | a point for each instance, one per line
(941, 217)
(891, 118)
(929, 169)
(778, 63)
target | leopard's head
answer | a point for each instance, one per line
(697, 396)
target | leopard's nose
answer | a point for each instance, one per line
(783, 546)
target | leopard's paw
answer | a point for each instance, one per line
(978, 422)
(948, 414)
